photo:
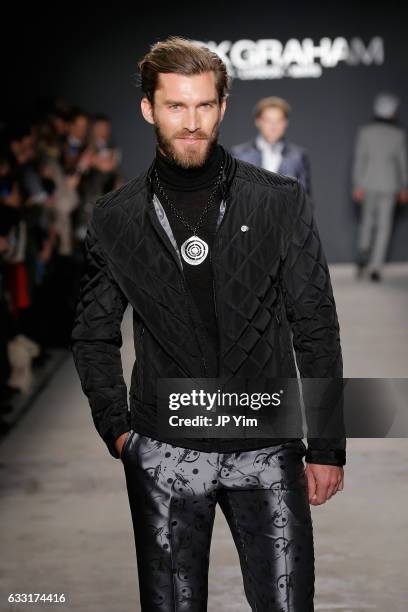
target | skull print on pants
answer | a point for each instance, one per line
(173, 493)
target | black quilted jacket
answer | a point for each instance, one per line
(269, 281)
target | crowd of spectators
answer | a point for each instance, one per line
(53, 167)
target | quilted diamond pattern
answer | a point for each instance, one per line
(270, 281)
(96, 341)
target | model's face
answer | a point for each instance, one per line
(186, 115)
(272, 124)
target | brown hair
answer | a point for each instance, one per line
(271, 102)
(182, 56)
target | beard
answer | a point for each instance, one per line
(187, 159)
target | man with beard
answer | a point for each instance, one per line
(220, 260)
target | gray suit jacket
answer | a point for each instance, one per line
(380, 158)
(295, 161)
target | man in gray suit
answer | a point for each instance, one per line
(380, 177)
(270, 149)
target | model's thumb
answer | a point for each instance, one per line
(311, 484)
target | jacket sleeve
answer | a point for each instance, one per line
(311, 312)
(96, 341)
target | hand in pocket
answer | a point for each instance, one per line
(121, 441)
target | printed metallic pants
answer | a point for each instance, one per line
(173, 494)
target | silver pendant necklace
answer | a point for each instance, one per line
(194, 250)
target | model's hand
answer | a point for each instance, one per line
(119, 442)
(323, 482)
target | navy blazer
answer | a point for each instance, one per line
(295, 160)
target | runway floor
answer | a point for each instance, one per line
(64, 516)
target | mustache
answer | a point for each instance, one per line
(197, 135)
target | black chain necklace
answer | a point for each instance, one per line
(194, 250)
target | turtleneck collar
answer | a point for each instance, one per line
(177, 178)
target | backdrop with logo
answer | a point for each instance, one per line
(328, 66)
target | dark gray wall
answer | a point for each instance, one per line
(91, 59)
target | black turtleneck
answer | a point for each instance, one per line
(189, 190)
(189, 179)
